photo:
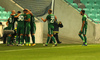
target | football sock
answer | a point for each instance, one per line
(22, 39)
(9, 39)
(53, 39)
(85, 39)
(17, 38)
(81, 37)
(26, 40)
(33, 39)
(48, 40)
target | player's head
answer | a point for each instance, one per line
(18, 12)
(49, 11)
(25, 11)
(13, 11)
(82, 12)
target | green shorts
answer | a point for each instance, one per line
(50, 30)
(84, 30)
(33, 28)
(27, 28)
(20, 29)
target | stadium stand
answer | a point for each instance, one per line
(3, 14)
(40, 8)
(92, 8)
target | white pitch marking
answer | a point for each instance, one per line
(41, 48)
(35, 48)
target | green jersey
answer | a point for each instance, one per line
(50, 18)
(26, 17)
(84, 19)
(20, 20)
(32, 19)
(11, 19)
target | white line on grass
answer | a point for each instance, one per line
(41, 48)
(35, 48)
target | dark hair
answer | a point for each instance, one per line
(83, 11)
(24, 10)
(50, 10)
(19, 12)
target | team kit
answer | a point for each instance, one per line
(26, 25)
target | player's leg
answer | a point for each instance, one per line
(21, 36)
(80, 35)
(49, 32)
(84, 34)
(17, 35)
(9, 39)
(9, 36)
(28, 32)
(52, 37)
(27, 35)
(33, 29)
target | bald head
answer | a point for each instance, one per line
(13, 12)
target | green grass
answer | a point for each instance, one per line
(61, 52)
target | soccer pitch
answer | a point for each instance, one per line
(61, 52)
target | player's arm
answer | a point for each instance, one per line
(44, 19)
(31, 13)
(7, 23)
(16, 16)
(55, 18)
(28, 20)
(82, 25)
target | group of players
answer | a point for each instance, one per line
(25, 25)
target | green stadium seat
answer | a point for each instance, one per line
(93, 11)
(92, 16)
(4, 12)
(9, 12)
(3, 9)
(96, 20)
(79, 9)
(87, 11)
(98, 10)
(98, 2)
(96, 6)
(84, 1)
(0, 7)
(0, 12)
(89, 6)
(97, 15)
(70, 1)
(75, 5)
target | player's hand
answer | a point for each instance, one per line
(60, 22)
(42, 18)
